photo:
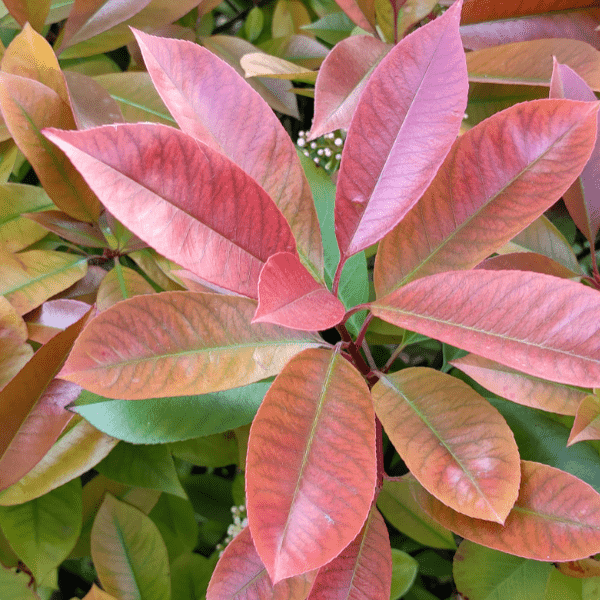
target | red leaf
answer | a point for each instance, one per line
(311, 466)
(341, 80)
(211, 102)
(288, 295)
(363, 570)
(528, 261)
(587, 421)
(556, 517)
(497, 179)
(582, 199)
(538, 324)
(401, 132)
(189, 202)
(240, 574)
(453, 441)
(520, 387)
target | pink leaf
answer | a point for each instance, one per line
(363, 570)
(401, 132)
(497, 179)
(541, 325)
(288, 295)
(311, 466)
(582, 199)
(188, 201)
(587, 421)
(211, 102)
(341, 80)
(527, 261)
(556, 517)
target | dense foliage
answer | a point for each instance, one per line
(362, 365)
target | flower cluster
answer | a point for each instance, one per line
(240, 520)
(325, 151)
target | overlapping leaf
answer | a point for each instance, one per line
(119, 284)
(342, 77)
(52, 317)
(179, 343)
(74, 230)
(498, 178)
(528, 261)
(587, 421)
(454, 442)
(211, 102)
(401, 131)
(32, 11)
(520, 387)
(541, 325)
(288, 295)
(556, 517)
(259, 64)
(363, 570)
(362, 12)
(14, 349)
(152, 177)
(311, 464)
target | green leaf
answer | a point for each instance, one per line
(190, 574)
(14, 585)
(254, 23)
(331, 28)
(566, 588)
(211, 496)
(129, 553)
(142, 466)
(43, 531)
(160, 420)
(404, 572)
(213, 451)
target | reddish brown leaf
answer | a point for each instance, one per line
(240, 574)
(14, 349)
(498, 178)
(361, 12)
(520, 387)
(211, 102)
(341, 80)
(78, 232)
(582, 569)
(527, 261)
(288, 295)
(32, 407)
(587, 421)
(453, 441)
(530, 63)
(556, 517)
(401, 132)
(582, 199)
(579, 25)
(188, 201)
(32, 11)
(541, 325)
(311, 465)
(179, 343)
(363, 570)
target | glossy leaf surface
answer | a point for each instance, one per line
(498, 178)
(556, 517)
(522, 320)
(400, 133)
(289, 296)
(129, 553)
(212, 103)
(179, 343)
(587, 421)
(455, 443)
(311, 464)
(336, 96)
(363, 570)
(228, 235)
(520, 387)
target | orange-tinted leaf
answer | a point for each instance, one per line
(288, 295)
(119, 284)
(259, 64)
(453, 441)
(363, 570)
(579, 25)
(556, 517)
(582, 199)
(78, 232)
(530, 63)
(189, 202)
(401, 132)
(52, 317)
(32, 11)
(300, 49)
(341, 80)
(581, 569)
(587, 421)
(97, 594)
(527, 261)
(541, 325)
(14, 349)
(520, 387)
(28, 106)
(212, 103)
(30, 278)
(498, 178)
(241, 574)
(179, 343)
(361, 12)
(32, 407)
(311, 465)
